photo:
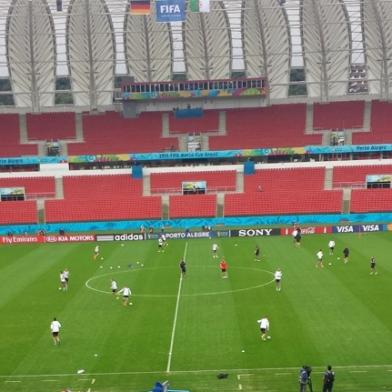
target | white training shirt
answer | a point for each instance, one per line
(278, 275)
(264, 323)
(214, 247)
(163, 237)
(96, 249)
(331, 244)
(66, 274)
(295, 232)
(320, 255)
(114, 285)
(55, 326)
(126, 291)
(62, 277)
(160, 241)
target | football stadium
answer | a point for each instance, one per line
(195, 195)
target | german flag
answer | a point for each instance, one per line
(140, 7)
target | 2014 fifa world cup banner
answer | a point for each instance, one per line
(99, 158)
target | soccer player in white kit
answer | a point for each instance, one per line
(164, 242)
(215, 250)
(96, 252)
(320, 256)
(63, 282)
(331, 246)
(278, 278)
(264, 328)
(160, 245)
(113, 287)
(55, 330)
(126, 293)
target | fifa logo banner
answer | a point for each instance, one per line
(170, 11)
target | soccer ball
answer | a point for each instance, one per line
(101, 258)
(329, 263)
(142, 265)
(130, 304)
(338, 258)
(268, 337)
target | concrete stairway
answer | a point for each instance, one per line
(328, 178)
(346, 200)
(309, 118)
(59, 187)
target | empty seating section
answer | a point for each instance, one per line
(342, 115)
(285, 179)
(105, 187)
(209, 122)
(18, 212)
(380, 125)
(106, 197)
(172, 182)
(110, 133)
(10, 138)
(289, 202)
(34, 186)
(188, 206)
(51, 126)
(356, 176)
(135, 207)
(371, 200)
(274, 126)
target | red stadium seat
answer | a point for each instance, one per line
(10, 138)
(273, 126)
(188, 206)
(51, 126)
(18, 212)
(172, 182)
(110, 133)
(342, 115)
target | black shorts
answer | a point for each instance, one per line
(277, 280)
(67, 279)
(114, 290)
(373, 265)
(223, 269)
(125, 296)
(55, 334)
(332, 248)
(263, 330)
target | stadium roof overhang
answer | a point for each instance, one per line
(343, 46)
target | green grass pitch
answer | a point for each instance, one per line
(340, 315)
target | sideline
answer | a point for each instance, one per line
(199, 371)
(175, 315)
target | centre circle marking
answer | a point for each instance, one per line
(89, 286)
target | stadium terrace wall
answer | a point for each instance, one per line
(185, 224)
(245, 232)
(202, 155)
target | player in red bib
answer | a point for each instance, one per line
(223, 267)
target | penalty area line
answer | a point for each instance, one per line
(169, 358)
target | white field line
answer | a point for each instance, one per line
(12, 381)
(198, 371)
(93, 381)
(175, 316)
